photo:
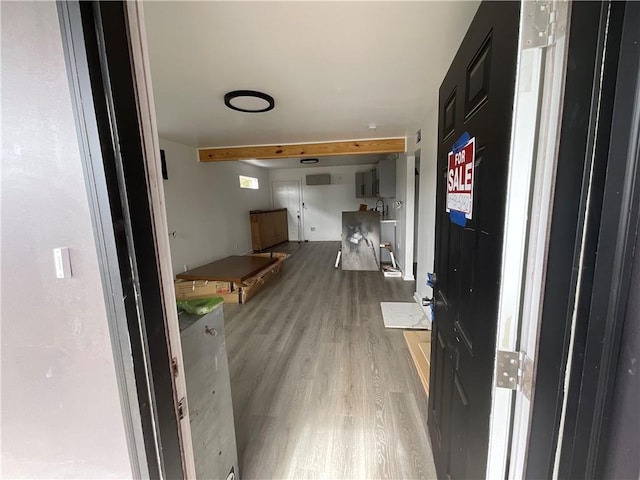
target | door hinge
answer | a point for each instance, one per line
(174, 366)
(515, 372)
(181, 408)
(544, 22)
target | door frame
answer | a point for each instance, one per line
(534, 144)
(108, 72)
(153, 165)
(609, 253)
(514, 250)
(580, 322)
(408, 183)
(553, 76)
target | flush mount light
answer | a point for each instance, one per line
(308, 161)
(249, 101)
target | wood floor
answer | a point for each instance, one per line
(320, 388)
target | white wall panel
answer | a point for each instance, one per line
(206, 208)
(324, 204)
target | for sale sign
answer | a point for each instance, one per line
(460, 179)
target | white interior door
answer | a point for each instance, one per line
(286, 194)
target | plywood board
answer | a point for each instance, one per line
(419, 343)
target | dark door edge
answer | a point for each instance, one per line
(95, 43)
(591, 241)
(592, 385)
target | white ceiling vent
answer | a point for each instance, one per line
(323, 179)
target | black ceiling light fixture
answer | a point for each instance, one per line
(308, 161)
(249, 101)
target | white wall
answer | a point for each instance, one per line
(207, 208)
(61, 415)
(405, 181)
(429, 151)
(427, 214)
(324, 204)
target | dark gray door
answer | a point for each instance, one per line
(476, 97)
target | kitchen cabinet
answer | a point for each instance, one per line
(364, 184)
(368, 183)
(359, 184)
(386, 175)
(379, 182)
(375, 182)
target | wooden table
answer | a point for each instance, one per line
(235, 269)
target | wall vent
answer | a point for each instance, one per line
(323, 179)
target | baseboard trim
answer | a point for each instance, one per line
(407, 277)
(417, 298)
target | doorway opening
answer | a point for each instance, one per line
(280, 342)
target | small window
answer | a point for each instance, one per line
(248, 182)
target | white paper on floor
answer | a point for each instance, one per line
(407, 315)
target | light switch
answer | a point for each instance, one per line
(62, 262)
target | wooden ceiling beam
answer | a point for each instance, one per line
(349, 147)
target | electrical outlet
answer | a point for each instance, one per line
(313, 229)
(186, 267)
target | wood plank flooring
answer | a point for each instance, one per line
(320, 388)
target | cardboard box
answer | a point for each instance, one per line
(278, 255)
(257, 283)
(192, 289)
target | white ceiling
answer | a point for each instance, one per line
(332, 67)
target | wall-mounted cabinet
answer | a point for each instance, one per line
(375, 182)
(364, 184)
(386, 175)
(379, 182)
(359, 184)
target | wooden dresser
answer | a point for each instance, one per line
(268, 228)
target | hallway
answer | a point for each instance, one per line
(320, 388)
